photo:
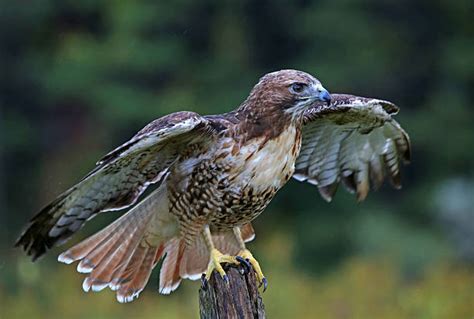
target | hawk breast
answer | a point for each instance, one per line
(269, 163)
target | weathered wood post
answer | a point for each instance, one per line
(239, 298)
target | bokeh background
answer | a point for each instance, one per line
(81, 77)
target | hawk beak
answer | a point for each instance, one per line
(319, 93)
(324, 96)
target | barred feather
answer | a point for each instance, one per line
(353, 140)
(116, 183)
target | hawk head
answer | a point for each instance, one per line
(285, 92)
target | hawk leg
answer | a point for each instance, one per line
(216, 258)
(247, 255)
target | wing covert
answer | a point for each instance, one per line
(118, 179)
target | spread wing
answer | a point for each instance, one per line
(118, 179)
(354, 140)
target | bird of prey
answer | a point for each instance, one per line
(213, 175)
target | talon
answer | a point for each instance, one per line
(247, 255)
(215, 261)
(265, 284)
(226, 279)
(245, 264)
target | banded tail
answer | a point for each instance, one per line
(123, 255)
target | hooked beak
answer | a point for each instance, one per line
(322, 94)
(318, 93)
(325, 96)
(315, 92)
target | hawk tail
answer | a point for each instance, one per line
(123, 255)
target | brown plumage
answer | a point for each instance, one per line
(214, 175)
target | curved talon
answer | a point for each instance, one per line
(265, 284)
(215, 261)
(245, 263)
(247, 255)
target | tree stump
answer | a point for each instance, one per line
(239, 298)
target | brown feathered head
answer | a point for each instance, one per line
(285, 92)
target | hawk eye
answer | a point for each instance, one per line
(297, 87)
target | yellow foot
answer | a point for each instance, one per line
(217, 258)
(247, 255)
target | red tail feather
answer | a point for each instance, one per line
(123, 255)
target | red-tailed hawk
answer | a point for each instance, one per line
(213, 175)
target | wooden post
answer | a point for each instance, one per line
(239, 298)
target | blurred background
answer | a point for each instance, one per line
(81, 77)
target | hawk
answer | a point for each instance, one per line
(213, 175)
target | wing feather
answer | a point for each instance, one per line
(118, 180)
(355, 141)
